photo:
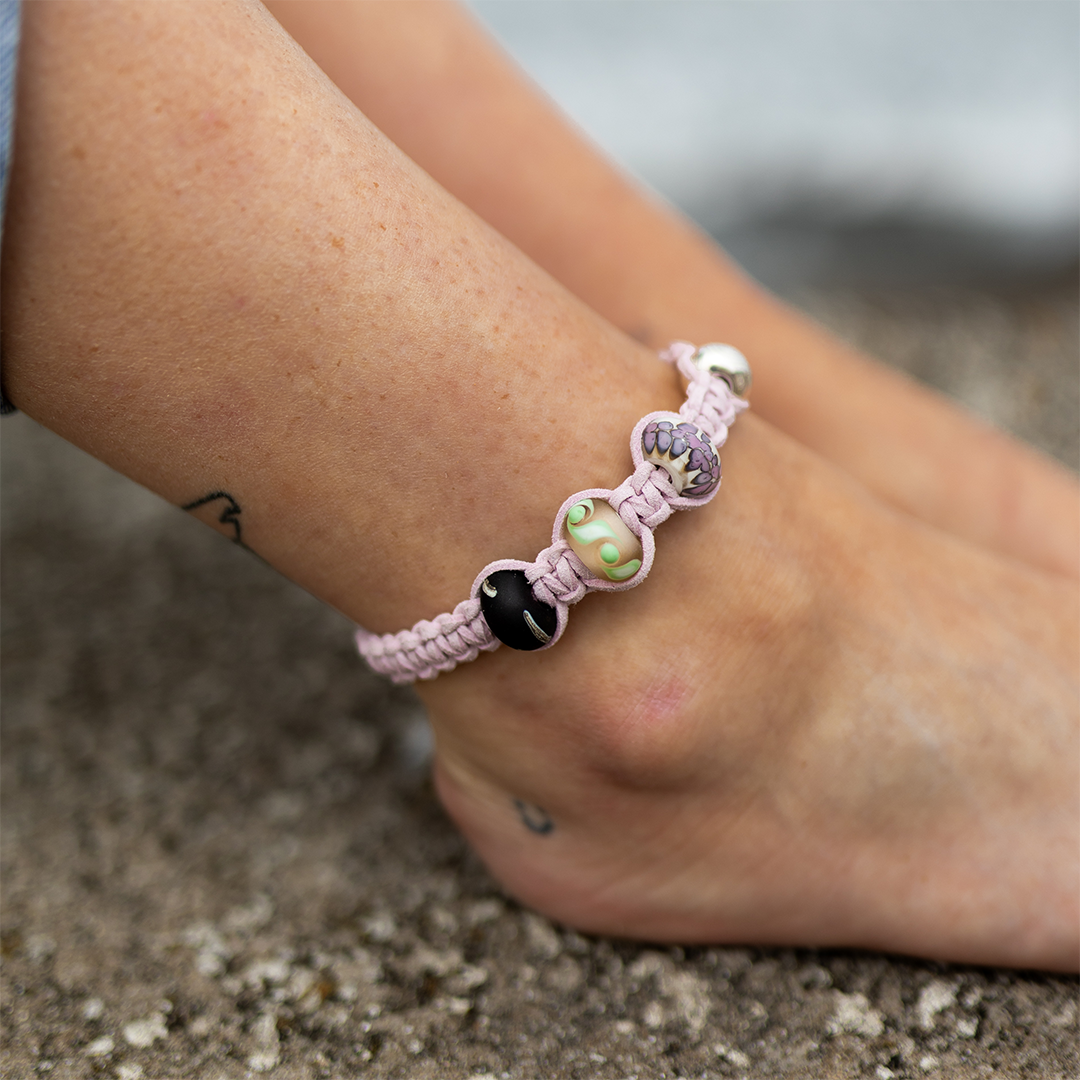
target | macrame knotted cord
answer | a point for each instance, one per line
(558, 578)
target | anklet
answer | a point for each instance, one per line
(602, 540)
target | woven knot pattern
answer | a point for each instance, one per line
(711, 405)
(430, 646)
(642, 500)
(556, 575)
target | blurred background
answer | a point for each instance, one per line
(833, 141)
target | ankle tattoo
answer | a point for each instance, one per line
(534, 818)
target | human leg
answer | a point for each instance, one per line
(254, 292)
(426, 74)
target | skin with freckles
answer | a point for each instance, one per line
(425, 73)
(819, 721)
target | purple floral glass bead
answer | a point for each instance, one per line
(686, 452)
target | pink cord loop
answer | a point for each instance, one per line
(557, 577)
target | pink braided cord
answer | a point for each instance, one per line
(430, 646)
(709, 402)
(643, 500)
(558, 577)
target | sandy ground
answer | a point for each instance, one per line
(222, 855)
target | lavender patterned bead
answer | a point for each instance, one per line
(686, 452)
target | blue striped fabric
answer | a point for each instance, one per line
(9, 55)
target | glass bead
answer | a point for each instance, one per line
(686, 452)
(515, 616)
(602, 541)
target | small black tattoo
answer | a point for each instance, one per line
(230, 515)
(534, 818)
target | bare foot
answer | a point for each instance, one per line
(817, 722)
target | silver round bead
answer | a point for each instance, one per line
(727, 363)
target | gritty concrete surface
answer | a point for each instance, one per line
(222, 856)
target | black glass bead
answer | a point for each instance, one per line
(515, 616)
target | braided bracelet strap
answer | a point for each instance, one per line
(602, 539)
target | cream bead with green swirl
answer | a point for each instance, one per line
(601, 540)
